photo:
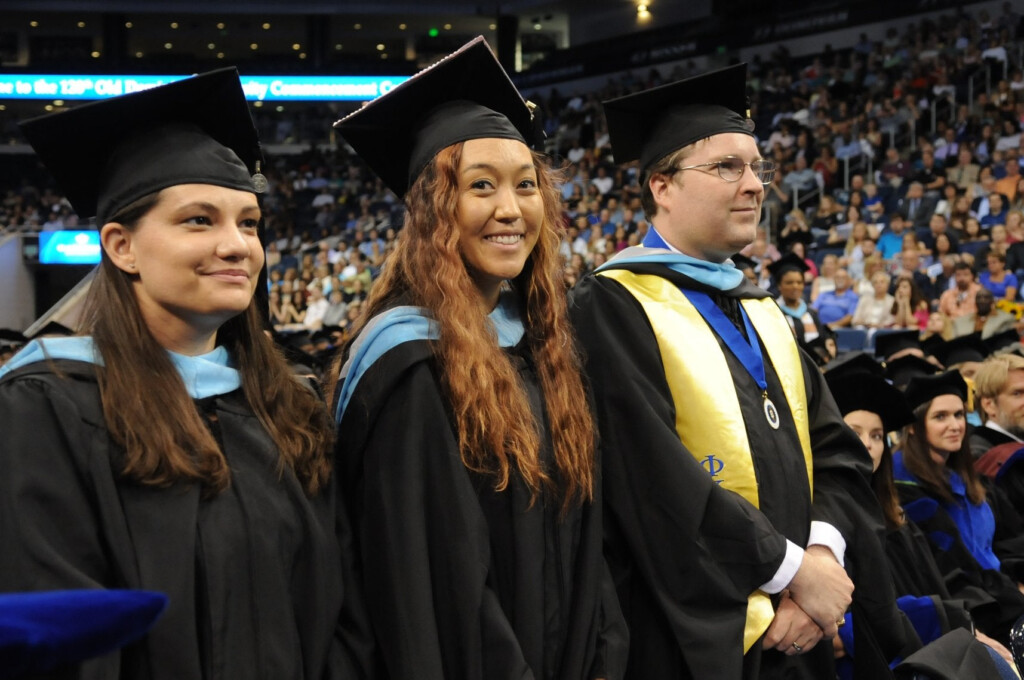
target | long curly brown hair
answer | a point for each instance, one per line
(495, 425)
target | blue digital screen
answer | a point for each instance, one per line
(69, 247)
(257, 88)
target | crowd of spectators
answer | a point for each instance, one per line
(898, 183)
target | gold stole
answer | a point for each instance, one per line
(708, 416)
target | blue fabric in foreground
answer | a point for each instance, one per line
(206, 375)
(41, 631)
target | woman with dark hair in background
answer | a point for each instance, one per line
(466, 443)
(874, 409)
(942, 493)
(170, 448)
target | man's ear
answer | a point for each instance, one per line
(660, 184)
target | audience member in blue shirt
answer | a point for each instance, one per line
(996, 211)
(835, 308)
(890, 243)
(1001, 283)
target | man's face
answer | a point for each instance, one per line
(910, 260)
(1007, 407)
(700, 213)
(937, 224)
(983, 301)
(963, 278)
(995, 203)
(842, 280)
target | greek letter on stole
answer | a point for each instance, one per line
(700, 384)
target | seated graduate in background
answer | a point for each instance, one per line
(169, 448)
(788, 276)
(941, 492)
(873, 408)
(467, 446)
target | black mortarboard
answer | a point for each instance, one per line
(901, 371)
(818, 347)
(1002, 341)
(958, 350)
(743, 262)
(467, 95)
(108, 154)
(11, 335)
(888, 344)
(42, 631)
(651, 124)
(860, 390)
(790, 262)
(923, 389)
(854, 362)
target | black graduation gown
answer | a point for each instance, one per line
(252, 574)
(685, 553)
(463, 582)
(962, 572)
(915, 572)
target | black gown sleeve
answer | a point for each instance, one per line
(425, 547)
(50, 516)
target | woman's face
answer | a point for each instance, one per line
(998, 233)
(995, 265)
(194, 258)
(791, 287)
(942, 244)
(945, 424)
(880, 282)
(936, 323)
(868, 427)
(500, 211)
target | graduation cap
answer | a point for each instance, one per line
(742, 262)
(854, 362)
(651, 124)
(41, 631)
(818, 347)
(11, 335)
(467, 95)
(1002, 342)
(901, 371)
(790, 262)
(108, 154)
(960, 350)
(888, 344)
(861, 390)
(922, 389)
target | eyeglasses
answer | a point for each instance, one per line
(731, 169)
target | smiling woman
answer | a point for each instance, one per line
(462, 419)
(171, 443)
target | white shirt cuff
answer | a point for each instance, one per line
(787, 570)
(823, 533)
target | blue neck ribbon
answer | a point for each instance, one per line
(746, 350)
